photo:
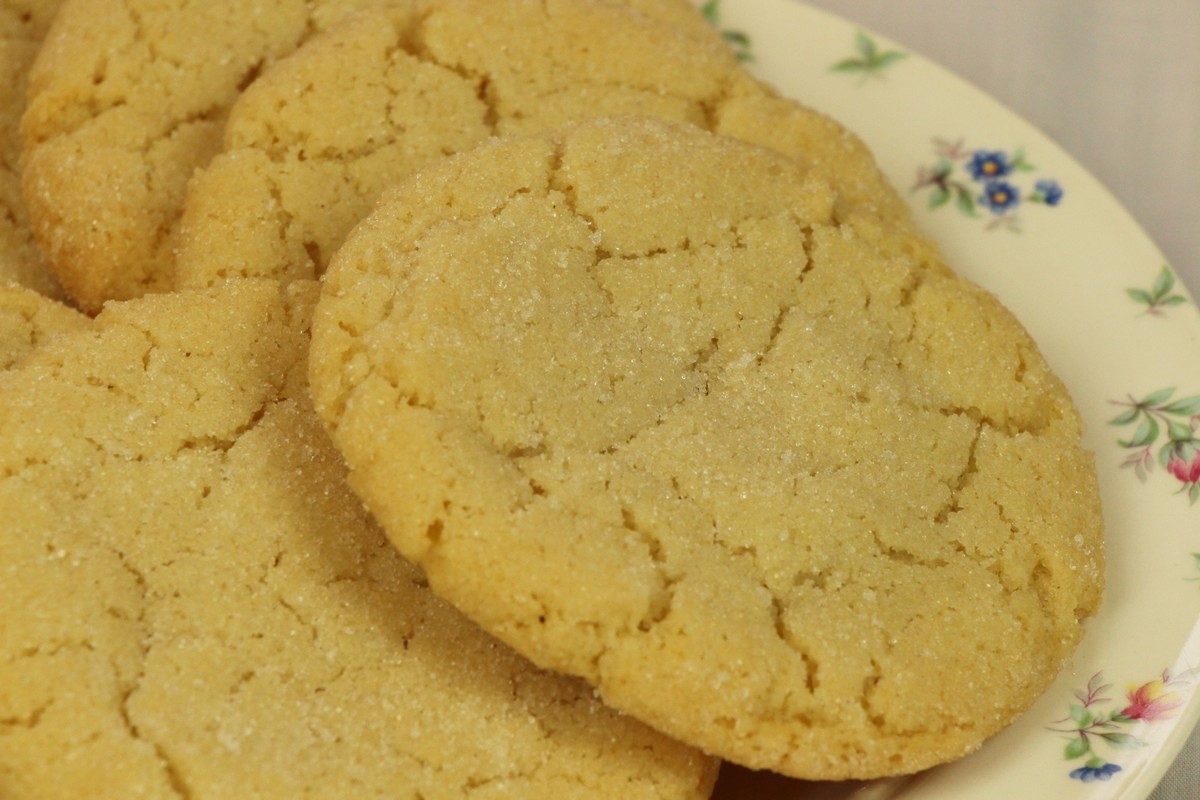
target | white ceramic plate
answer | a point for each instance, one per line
(1016, 214)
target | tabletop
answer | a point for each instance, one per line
(1117, 84)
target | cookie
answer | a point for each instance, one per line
(310, 146)
(195, 605)
(29, 319)
(641, 407)
(23, 24)
(128, 98)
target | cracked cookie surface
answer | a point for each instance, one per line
(638, 405)
(23, 24)
(196, 606)
(311, 145)
(28, 319)
(127, 100)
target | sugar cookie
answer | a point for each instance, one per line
(312, 144)
(640, 406)
(23, 24)
(196, 606)
(128, 98)
(28, 319)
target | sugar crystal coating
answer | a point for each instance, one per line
(311, 145)
(195, 605)
(127, 99)
(640, 405)
(23, 24)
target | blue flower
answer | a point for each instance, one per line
(988, 165)
(1000, 196)
(1049, 191)
(1089, 774)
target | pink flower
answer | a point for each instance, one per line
(1151, 701)
(1187, 472)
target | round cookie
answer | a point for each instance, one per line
(195, 605)
(29, 319)
(23, 23)
(639, 406)
(127, 99)
(311, 145)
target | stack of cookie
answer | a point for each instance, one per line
(498, 398)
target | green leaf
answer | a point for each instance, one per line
(943, 168)
(1196, 559)
(1122, 741)
(736, 38)
(1140, 296)
(1167, 452)
(1193, 494)
(965, 202)
(1187, 406)
(1125, 417)
(865, 45)
(1179, 431)
(1076, 748)
(849, 65)
(888, 58)
(1163, 283)
(1155, 398)
(1146, 433)
(939, 197)
(1018, 162)
(1080, 715)
(1173, 300)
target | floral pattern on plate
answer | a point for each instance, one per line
(1178, 453)
(1160, 296)
(870, 61)
(972, 179)
(1096, 730)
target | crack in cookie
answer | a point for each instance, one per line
(196, 606)
(642, 406)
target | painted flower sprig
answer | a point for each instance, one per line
(1160, 296)
(1093, 729)
(870, 61)
(973, 179)
(1178, 452)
